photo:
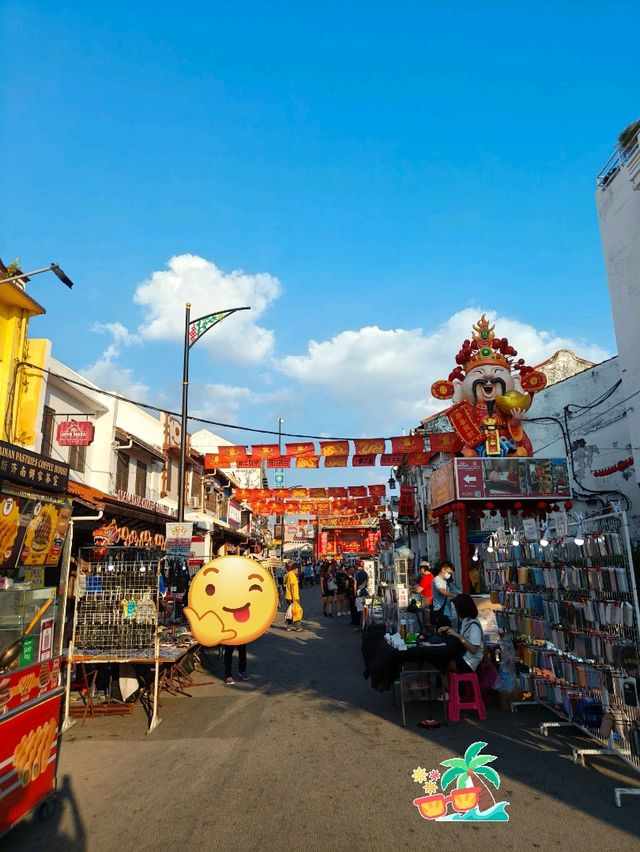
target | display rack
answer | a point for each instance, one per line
(572, 612)
(116, 613)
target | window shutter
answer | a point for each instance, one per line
(122, 472)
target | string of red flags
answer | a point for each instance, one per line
(353, 491)
(367, 452)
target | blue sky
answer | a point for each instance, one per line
(367, 165)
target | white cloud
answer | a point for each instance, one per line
(110, 376)
(189, 278)
(223, 403)
(106, 372)
(385, 375)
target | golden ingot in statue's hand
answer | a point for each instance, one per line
(512, 400)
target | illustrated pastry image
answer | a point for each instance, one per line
(31, 755)
(9, 524)
(5, 694)
(40, 534)
(44, 676)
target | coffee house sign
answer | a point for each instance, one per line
(71, 433)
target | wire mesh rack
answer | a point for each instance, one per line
(116, 614)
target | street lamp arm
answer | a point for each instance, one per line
(53, 267)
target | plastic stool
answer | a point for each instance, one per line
(455, 702)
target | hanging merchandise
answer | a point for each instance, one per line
(575, 625)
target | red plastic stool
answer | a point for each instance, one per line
(456, 704)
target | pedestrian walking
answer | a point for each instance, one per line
(242, 663)
(292, 594)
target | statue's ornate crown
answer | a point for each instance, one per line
(485, 348)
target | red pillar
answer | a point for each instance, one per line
(442, 538)
(464, 549)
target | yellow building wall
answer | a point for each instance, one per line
(16, 307)
(13, 324)
(31, 385)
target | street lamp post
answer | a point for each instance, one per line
(281, 517)
(193, 331)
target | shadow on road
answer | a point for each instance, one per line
(65, 830)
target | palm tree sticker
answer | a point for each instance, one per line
(470, 797)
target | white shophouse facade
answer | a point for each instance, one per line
(618, 205)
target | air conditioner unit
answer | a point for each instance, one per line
(194, 502)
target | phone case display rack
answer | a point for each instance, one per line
(116, 613)
(572, 612)
(393, 580)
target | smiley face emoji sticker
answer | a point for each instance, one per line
(232, 601)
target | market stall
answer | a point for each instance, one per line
(34, 520)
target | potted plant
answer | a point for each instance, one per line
(628, 139)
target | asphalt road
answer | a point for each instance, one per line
(306, 756)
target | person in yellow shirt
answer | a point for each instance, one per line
(292, 594)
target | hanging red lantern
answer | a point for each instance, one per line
(542, 505)
(489, 506)
(568, 505)
(493, 513)
(517, 506)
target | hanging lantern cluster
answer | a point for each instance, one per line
(616, 468)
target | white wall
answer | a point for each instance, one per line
(618, 207)
(66, 398)
(599, 437)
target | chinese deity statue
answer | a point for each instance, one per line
(491, 391)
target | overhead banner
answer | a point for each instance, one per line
(369, 446)
(307, 461)
(279, 462)
(391, 459)
(265, 451)
(407, 444)
(336, 461)
(305, 449)
(363, 461)
(334, 448)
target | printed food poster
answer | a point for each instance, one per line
(33, 528)
(28, 753)
(14, 517)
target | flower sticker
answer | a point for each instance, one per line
(419, 775)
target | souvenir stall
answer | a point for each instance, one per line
(34, 519)
(116, 641)
(569, 603)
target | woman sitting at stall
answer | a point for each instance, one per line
(467, 645)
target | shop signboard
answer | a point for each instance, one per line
(469, 478)
(146, 503)
(406, 505)
(32, 469)
(178, 539)
(441, 486)
(46, 639)
(234, 516)
(71, 433)
(512, 478)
